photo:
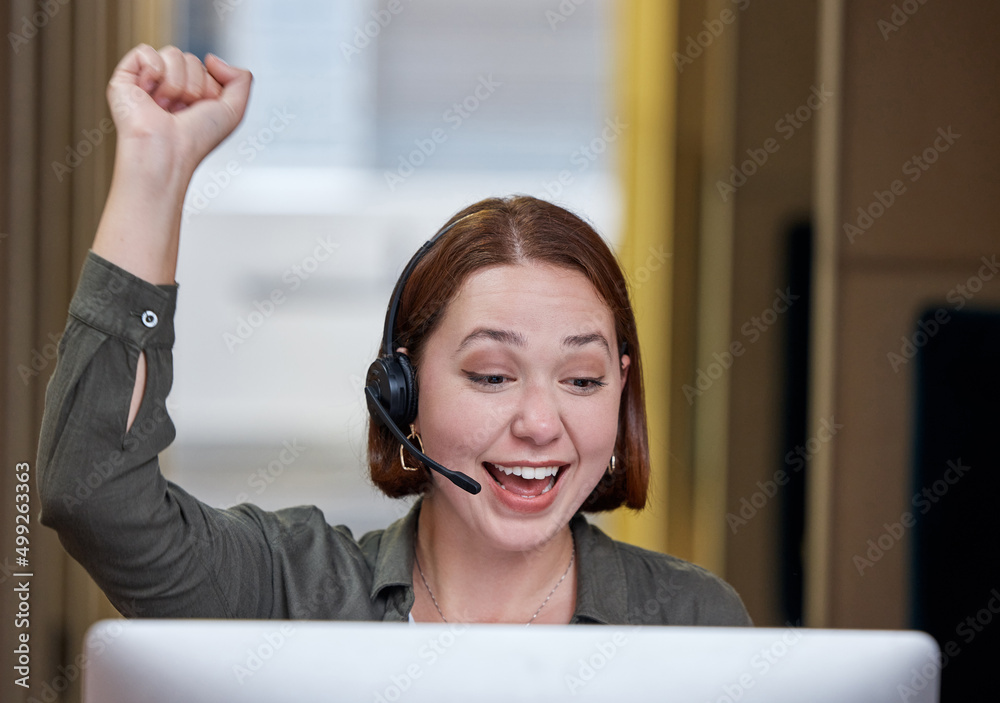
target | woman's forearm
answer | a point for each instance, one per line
(170, 111)
(140, 227)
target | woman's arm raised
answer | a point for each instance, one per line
(170, 111)
(154, 549)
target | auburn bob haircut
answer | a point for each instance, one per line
(507, 231)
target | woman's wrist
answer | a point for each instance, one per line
(154, 163)
(140, 227)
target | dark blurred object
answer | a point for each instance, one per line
(796, 416)
(956, 569)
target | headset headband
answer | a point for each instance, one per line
(388, 337)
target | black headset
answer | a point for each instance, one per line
(391, 385)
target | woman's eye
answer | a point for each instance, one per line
(487, 379)
(588, 384)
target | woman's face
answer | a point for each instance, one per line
(522, 376)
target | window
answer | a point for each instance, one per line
(370, 123)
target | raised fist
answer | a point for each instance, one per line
(174, 108)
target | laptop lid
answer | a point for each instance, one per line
(266, 661)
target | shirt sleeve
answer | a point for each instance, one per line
(155, 550)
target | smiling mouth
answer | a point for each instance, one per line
(524, 481)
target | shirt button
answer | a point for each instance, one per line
(149, 318)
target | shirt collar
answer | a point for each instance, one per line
(601, 593)
(394, 563)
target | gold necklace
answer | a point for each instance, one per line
(572, 557)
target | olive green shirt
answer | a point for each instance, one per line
(157, 551)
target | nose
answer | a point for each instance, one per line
(537, 418)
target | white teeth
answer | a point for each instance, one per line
(533, 472)
(548, 488)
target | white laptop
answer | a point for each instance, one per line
(243, 661)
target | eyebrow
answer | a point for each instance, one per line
(580, 340)
(508, 337)
(516, 339)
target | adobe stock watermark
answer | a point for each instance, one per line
(257, 656)
(591, 665)
(142, 429)
(585, 155)
(974, 624)
(665, 592)
(322, 601)
(366, 33)
(69, 673)
(455, 116)
(7, 570)
(796, 459)
(93, 304)
(294, 277)
(761, 664)
(967, 629)
(430, 652)
(587, 668)
(656, 259)
(695, 46)
(913, 167)
(899, 16)
(928, 329)
(225, 7)
(563, 12)
(752, 330)
(31, 25)
(40, 359)
(199, 198)
(264, 477)
(75, 155)
(787, 127)
(131, 608)
(923, 502)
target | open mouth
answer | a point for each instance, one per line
(525, 481)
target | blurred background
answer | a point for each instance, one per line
(803, 194)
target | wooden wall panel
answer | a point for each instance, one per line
(935, 70)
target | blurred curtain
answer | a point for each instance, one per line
(56, 155)
(679, 104)
(647, 36)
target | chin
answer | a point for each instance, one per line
(514, 523)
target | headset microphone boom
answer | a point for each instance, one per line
(391, 384)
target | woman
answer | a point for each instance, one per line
(516, 323)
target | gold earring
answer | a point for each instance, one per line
(611, 466)
(413, 435)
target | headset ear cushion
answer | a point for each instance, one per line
(409, 399)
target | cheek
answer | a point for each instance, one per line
(595, 429)
(456, 423)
